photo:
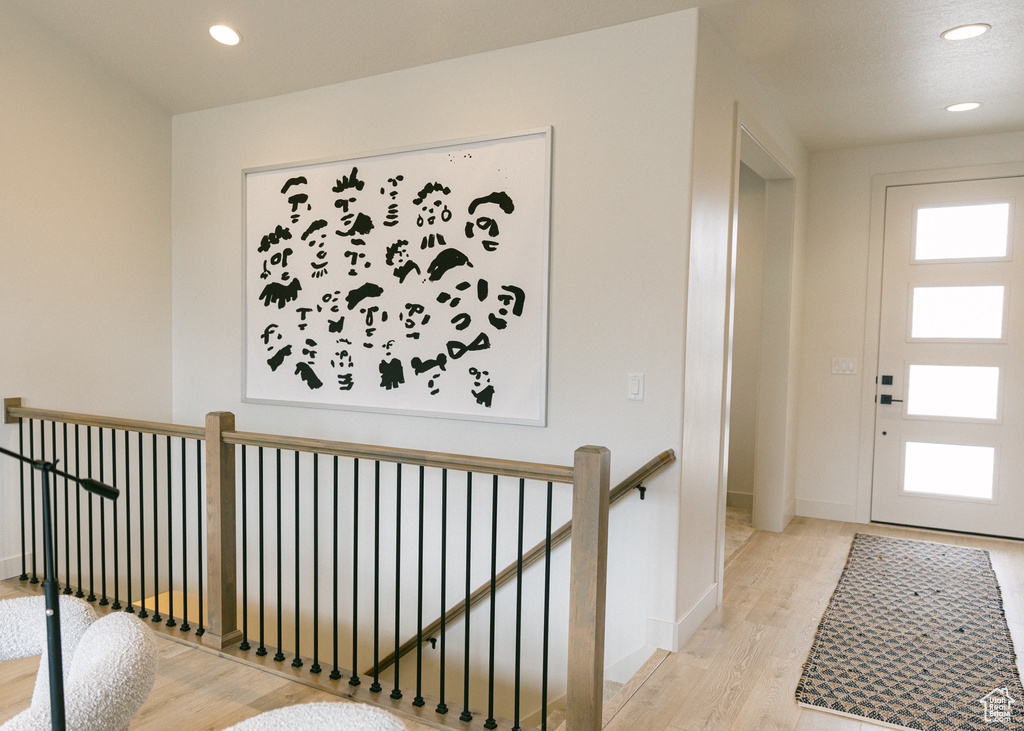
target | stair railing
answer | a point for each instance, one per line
(181, 495)
(524, 560)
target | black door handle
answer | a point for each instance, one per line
(886, 399)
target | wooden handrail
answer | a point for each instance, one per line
(508, 468)
(12, 413)
(637, 478)
(558, 537)
(483, 465)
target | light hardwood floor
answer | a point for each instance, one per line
(738, 531)
(194, 690)
(738, 672)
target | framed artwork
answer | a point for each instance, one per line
(412, 281)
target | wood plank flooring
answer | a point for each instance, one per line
(194, 690)
(737, 673)
(737, 531)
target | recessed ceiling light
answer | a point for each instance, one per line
(224, 34)
(963, 107)
(963, 32)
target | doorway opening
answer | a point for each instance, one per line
(759, 342)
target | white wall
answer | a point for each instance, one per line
(726, 94)
(832, 462)
(778, 385)
(620, 101)
(85, 213)
(746, 347)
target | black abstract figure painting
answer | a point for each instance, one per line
(412, 281)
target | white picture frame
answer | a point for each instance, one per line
(411, 281)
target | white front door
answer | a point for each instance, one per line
(949, 414)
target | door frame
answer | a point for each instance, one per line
(753, 146)
(773, 504)
(873, 311)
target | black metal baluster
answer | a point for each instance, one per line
(354, 680)
(21, 476)
(52, 494)
(142, 529)
(171, 622)
(442, 707)
(55, 527)
(185, 626)
(55, 512)
(297, 661)
(519, 599)
(199, 531)
(279, 656)
(335, 673)
(547, 615)
(54, 459)
(466, 715)
(490, 723)
(418, 700)
(103, 533)
(396, 692)
(56, 506)
(42, 457)
(245, 558)
(67, 516)
(113, 482)
(128, 518)
(78, 518)
(375, 686)
(315, 667)
(92, 536)
(156, 536)
(262, 649)
(32, 494)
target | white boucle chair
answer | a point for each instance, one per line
(109, 677)
(322, 717)
(23, 633)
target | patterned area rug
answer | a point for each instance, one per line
(915, 637)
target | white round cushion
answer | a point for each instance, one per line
(322, 717)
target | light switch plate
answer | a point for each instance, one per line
(844, 366)
(635, 386)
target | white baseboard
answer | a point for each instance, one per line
(673, 635)
(790, 512)
(11, 567)
(826, 511)
(742, 500)
(556, 713)
(624, 670)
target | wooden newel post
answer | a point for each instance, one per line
(11, 403)
(588, 573)
(222, 612)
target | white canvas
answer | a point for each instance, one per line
(412, 281)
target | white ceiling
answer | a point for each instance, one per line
(844, 72)
(855, 72)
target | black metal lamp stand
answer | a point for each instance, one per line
(51, 589)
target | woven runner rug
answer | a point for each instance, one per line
(915, 637)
